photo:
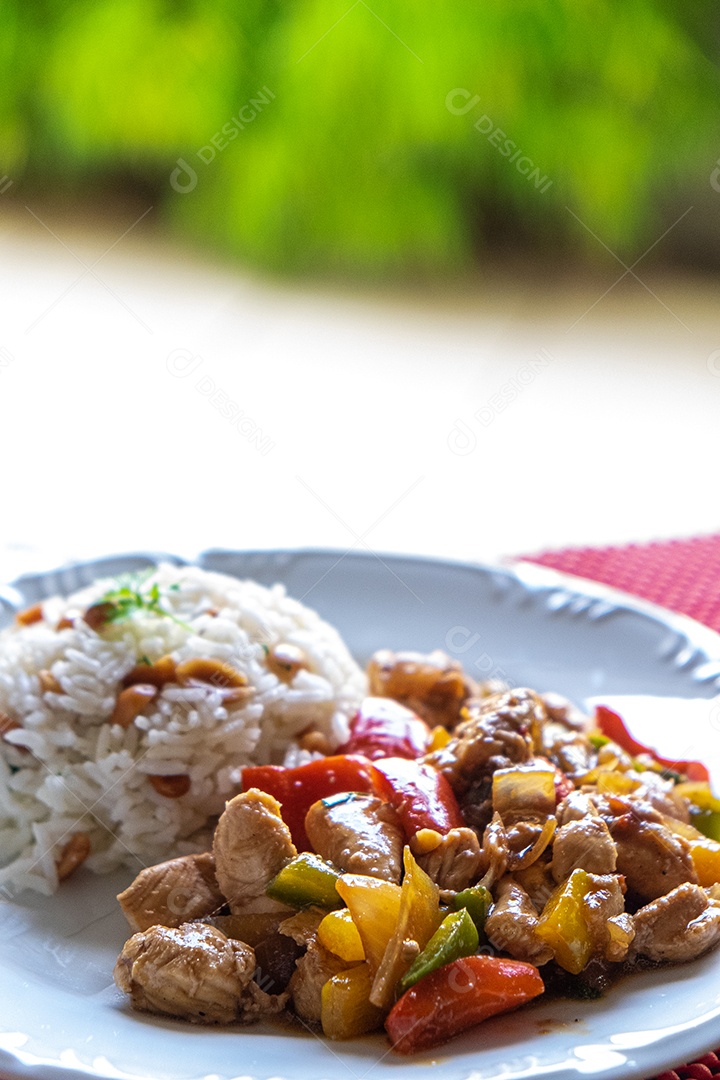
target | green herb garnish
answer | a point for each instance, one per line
(130, 598)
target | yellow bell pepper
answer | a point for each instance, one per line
(705, 855)
(439, 737)
(563, 924)
(704, 807)
(418, 918)
(699, 793)
(338, 933)
(345, 1010)
(375, 907)
(616, 783)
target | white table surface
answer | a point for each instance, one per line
(516, 412)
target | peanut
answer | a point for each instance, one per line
(48, 682)
(172, 787)
(131, 702)
(425, 841)
(314, 741)
(99, 615)
(215, 672)
(285, 661)
(30, 615)
(73, 854)
(7, 724)
(157, 674)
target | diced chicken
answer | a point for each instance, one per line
(568, 749)
(537, 881)
(677, 927)
(360, 834)
(172, 893)
(576, 806)
(252, 844)
(653, 860)
(512, 923)
(454, 862)
(562, 711)
(193, 972)
(302, 926)
(312, 971)
(432, 685)
(586, 844)
(660, 794)
(611, 929)
(497, 733)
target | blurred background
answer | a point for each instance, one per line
(428, 254)
(339, 137)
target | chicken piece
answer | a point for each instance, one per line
(576, 806)
(660, 794)
(562, 711)
(302, 926)
(570, 750)
(312, 971)
(652, 858)
(497, 733)
(194, 972)
(454, 862)
(611, 928)
(679, 926)
(172, 893)
(512, 923)
(359, 834)
(252, 844)
(431, 684)
(537, 881)
(585, 844)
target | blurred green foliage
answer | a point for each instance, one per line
(350, 159)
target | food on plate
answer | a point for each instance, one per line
(462, 851)
(129, 709)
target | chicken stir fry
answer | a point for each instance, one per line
(481, 832)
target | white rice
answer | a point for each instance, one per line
(66, 769)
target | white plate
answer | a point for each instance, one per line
(61, 1016)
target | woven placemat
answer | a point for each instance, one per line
(683, 575)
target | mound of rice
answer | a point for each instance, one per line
(65, 769)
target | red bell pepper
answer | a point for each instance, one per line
(458, 996)
(612, 725)
(297, 789)
(385, 728)
(421, 795)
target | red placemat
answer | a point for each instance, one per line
(683, 575)
(680, 574)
